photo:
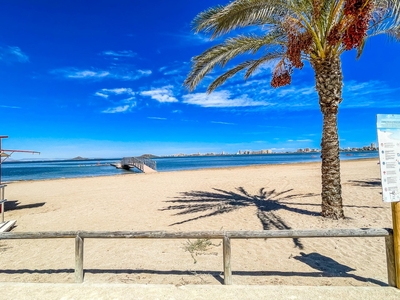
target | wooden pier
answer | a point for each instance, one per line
(145, 165)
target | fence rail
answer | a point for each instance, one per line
(226, 237)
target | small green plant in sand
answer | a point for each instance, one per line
(198, 246)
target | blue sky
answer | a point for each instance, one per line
(104, 79)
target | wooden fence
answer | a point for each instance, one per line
(226, 237)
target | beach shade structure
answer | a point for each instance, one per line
(4, 153)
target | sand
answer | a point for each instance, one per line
(199, 200)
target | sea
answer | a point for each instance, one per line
(41, 170)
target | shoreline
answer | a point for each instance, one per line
(196, 169)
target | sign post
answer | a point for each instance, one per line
(388, 127)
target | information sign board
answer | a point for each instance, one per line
(388, 127)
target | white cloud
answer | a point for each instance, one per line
(7, 106)
(176, 68)
(258, 93)
(124, 105)
(13, 54)
(369, 94)
(114, 96)
(112, 73)
(145, 72)
(87, 74)
(81, 74)
(172, 72)
(301, 97)
(221, 99)
(291, 90)
(123, 53)
(101, 95)
(223, 123)
(105, 93)
(156, 118)
(118, 109)
(164, 94)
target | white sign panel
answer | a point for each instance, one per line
(389, 154)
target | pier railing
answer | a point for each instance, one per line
(138, 162)
(225, 236)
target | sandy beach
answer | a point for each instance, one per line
(244, 198)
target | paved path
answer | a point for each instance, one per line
(85, 291)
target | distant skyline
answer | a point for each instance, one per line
(104, 79)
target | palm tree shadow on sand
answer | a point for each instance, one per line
(267, 203)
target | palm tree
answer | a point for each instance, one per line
(294, 31)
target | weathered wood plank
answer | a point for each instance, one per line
(322, 233)
(37, 235)
(154, 234)
(390, 260)
(78, 259)
(6, 226)
(227, 260)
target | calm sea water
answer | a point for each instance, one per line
(15, 171)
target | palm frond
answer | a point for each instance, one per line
(394, 32)
(223, 53)
(221, 79)
(240, 13)
(385, 18)
(252, 65)
(258, 62)
(202, 22)
(361, 48)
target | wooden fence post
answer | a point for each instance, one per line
(390, 260)
(78, 259)
(227, 260)
(396, 239)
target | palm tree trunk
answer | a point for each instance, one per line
(328, 74)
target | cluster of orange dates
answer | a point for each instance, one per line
(281, 78)
(360, 13)
(297, 43)
(350, 32)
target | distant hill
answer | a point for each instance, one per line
(79, 158)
